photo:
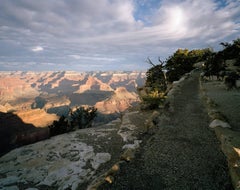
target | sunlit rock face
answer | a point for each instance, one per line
(36, 99)
(37, 117)
(49, 90)
(93, 83)
(119, 102)
(13, 88)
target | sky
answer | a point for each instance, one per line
(101, 35)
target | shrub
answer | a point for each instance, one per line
(59, 127)
(79, 118)
(153, 100)
(83, 117)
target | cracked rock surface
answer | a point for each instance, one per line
(67, 161)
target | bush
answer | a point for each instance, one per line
(79, 118)
(230, 80)
(156, 79)
(182, 62)
(153, 100)
(83, 117)
(59, 127)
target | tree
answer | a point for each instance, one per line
(231, 50)
(182, 62)
(214, 64)
(59, 127)
(155, 86)
(156, 80)
(83, 117)
(80, 118)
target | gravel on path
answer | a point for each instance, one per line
(182, 154)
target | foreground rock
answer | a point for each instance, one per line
(74, 160)
(64, 161)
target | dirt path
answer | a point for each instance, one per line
(182, 154)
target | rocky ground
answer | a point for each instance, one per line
(180, 152)
(226, 101)
(76, 160)
(183, 153)
(223, 109)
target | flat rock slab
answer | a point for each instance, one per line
(72, 160)
(66, 161)
(219, 123)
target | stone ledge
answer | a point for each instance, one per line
(229, 139)
(108, 177)
(128, 154)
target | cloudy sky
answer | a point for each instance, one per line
(109, 34)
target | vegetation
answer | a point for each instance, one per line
(79, 118)
(164, 73)
(59, 127)
(156, 79)
(231, 51)
(155, 86)
(153, 100)
(181, 62)
(216, 63)
(83, 117)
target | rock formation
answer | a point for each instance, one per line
(36, 117)
(93, 83)
(119, 102)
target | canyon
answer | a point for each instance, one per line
(31, 101)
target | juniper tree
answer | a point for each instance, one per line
(156, 80)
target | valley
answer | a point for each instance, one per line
(36, 99)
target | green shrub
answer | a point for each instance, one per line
(83, 117)
(153, 100)
(79, 118)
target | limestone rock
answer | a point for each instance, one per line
(62, 162)
(219, 123)
(128, 155)
(99, 159)
(135, 145)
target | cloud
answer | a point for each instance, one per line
(94, 58)
(37, 48)
(86, 32)
(194, 19)
(75, 56)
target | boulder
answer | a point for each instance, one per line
(219, 123)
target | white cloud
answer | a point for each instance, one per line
(76, 31)
(75, 56)
(197, 19)
(37, 48)
(93, 58)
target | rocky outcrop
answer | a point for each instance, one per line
(20, 89)
(130, 132)
(119, 102)
(83, 159)
(93, 83)
(12, 88)
(33, 95)
(14, 132)
(229, 139)
(68, 161)
(54, 102)
(36, 117)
